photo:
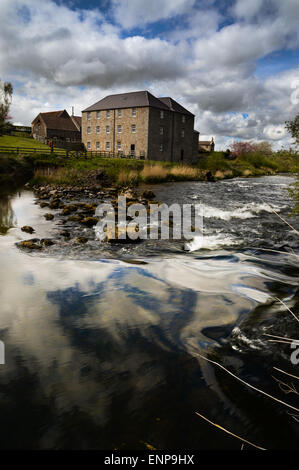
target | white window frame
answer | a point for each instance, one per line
(108, 129)
(98, 145)
(107, 146)
(88, 145)
(161, 114)
(161, 148)
(134, 112)
(120, 113)
(98, 114)
(119, 129)
(183, 133)
(118, 145)
(183, 118)
(89, 115)
(133, 128)
(98, 129)
(88, 130)
(108, 114)
(161, 130)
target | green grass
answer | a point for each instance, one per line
(61, 170)
(21, 142)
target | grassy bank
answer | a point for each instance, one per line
(21, 142)
(124, 171)
(69, 171)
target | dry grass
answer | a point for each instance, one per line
(157, 173)
(186, 172)
(125, 178)
(154, 173)
(60, 175)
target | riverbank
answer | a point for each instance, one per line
(47, 169)
(133, 172)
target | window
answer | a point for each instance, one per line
(183, 118)
(133, 128)
(98, 129)
(89, 130)
(89, 115)
(161, 114)
(107, 129)
(119, 129)
(120, 113)
(107, 145)
(88, 146)
(161, 130)
(133, 112)
(98, 145)
(98, 114)
(118, 145)
(183, 133)
(108, 113)
(161, 148)
(67, 139)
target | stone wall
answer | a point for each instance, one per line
(126, 137)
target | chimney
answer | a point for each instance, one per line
(72, 110)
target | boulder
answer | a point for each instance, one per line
(90, 221)
(47, 242)
(27, 229)
(82, 240)
(49, 216)
(75, 218)
(30, 244)
(148, 194)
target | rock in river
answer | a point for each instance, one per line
(27, 229)
(49, 216)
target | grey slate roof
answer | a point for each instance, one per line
(135, 99)
(174, 105)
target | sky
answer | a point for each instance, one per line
(233, 63)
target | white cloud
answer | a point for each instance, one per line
(136, 13)
(58, 58)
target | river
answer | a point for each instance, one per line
(103, 344)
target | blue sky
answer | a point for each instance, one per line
(234, 64)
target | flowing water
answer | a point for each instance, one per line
(103, 344)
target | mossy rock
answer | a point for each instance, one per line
(148, 194)
(44, 204)
(49, 216)
(30, 244)
(82, 240)
(27, 229)
(69, 209)
(75, 218)
(90, 221)
(65, 234)
(120, 232)
(47, 242)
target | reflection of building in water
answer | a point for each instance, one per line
(7, 219)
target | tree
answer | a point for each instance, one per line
(241, 148)
(263, 147)
(6, 91)
(293, 128)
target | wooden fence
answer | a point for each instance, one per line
(66, 153)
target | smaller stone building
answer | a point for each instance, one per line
(57, 126)
(206, 145)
